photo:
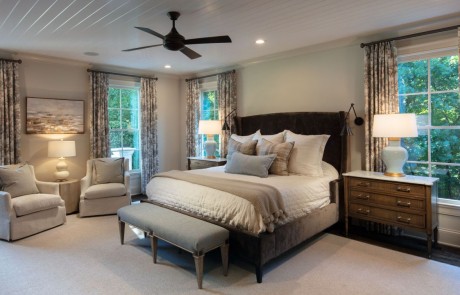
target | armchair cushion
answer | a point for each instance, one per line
(105, 190)
(17, 180)
(28, 204)
(108, 170)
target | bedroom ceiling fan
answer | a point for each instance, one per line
(175, 41)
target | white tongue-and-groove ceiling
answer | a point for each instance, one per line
(66, 29)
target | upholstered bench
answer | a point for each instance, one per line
(190, 234)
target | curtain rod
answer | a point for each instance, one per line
(207, 76)
(12, 60)
(119, 74)
(411, 35)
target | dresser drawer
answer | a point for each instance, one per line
(384, 215)
(387, 200)
(408, 189)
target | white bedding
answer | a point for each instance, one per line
(301, 195)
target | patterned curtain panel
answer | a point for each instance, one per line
(226, 93)
(380, 95)
(149, 140)
(10, 114)
(193, 116)
(99, 117)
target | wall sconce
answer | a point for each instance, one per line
(358, 121)
(225, 126)
(60, 149)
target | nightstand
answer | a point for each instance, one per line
(70, 193)
(203, 162)
(408, 202)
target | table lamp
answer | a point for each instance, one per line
(394, 126)
(61, 149)
(210, 128)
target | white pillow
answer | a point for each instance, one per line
(244, 138)
(307, 153)
(329, 170)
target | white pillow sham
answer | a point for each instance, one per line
(307, 153)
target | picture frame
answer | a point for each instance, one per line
(55, 116)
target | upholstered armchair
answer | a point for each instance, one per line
(105, 187)
(27, 206)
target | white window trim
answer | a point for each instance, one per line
(427, 54)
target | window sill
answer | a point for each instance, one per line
(449, 207)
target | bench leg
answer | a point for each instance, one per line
(199, 269)
(154, 244)
(121, 228)
(224, 255)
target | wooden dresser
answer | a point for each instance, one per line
(408, 202)
(203, 162)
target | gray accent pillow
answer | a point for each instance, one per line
(282, 151)
(108, 170)
(247, 147)
(18, 180)
(250, 165)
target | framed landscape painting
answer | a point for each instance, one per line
(55, 116)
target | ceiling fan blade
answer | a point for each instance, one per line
(215, 39)
(147, 30)
(143, 47)
(190, 53)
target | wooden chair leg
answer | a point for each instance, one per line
(121, 228)
(199, 269)
(154, 245)
(224, 255)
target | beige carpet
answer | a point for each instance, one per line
(84, 256)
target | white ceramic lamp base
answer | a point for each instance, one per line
(62, 173)
(210, 146)
(394, 156)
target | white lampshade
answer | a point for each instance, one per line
(60, 149)
(395, 125)
(209, 127)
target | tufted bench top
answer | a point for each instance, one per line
(191, 234)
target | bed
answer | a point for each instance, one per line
(262, 243)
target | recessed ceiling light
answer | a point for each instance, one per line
(167, 66)
(260, 41)
(91, 53)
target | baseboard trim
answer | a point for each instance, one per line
(449, 237)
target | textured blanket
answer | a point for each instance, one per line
(266, 199)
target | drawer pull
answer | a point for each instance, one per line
(365, 184)
(404, 220)
(405, 189)
(403, 204)
(361, 211)
(363, 197)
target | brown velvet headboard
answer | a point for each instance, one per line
(331, 123)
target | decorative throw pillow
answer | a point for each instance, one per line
(273, 138)
(18, 180)
(307, 153)
(108, 170)
(247, 147)
(282, 151)
(249, 165)
(244, 138)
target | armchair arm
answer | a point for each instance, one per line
(84, 185)
(48, 187)
(128, 183)
(6, 210)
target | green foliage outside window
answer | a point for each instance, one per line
(123, 107)
(430, 89)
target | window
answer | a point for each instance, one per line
(123, 108)
(428, 87)
(210, 111)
